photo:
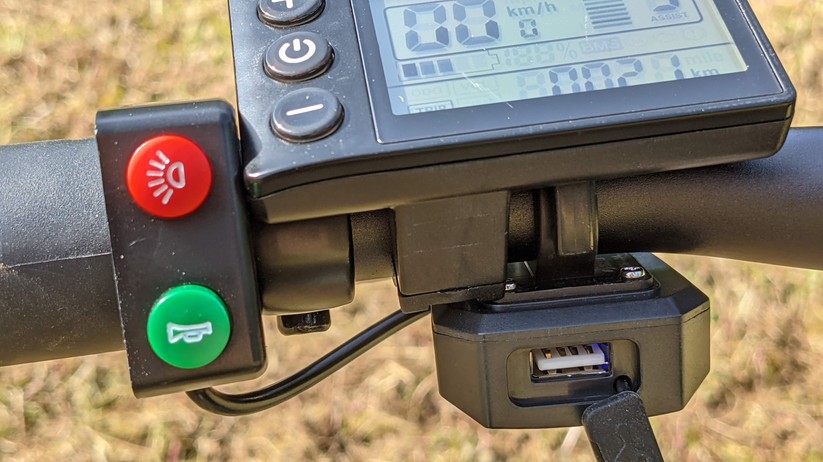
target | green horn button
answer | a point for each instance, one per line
(189, 326)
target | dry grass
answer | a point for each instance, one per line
(60, 62)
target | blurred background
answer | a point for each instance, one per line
(61, 61)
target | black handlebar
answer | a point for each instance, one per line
(57, 294)
(768, 211)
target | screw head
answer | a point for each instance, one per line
(304, 323)
(510, 286)
(632, 273)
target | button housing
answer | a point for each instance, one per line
(210, 247)
(258, 92)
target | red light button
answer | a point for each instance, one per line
(169, 176)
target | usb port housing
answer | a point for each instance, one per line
(570, 361)
(656, 337)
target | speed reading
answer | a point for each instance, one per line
(427, 24)
(465, 53)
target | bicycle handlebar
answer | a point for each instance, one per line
(57, 293)
(57, 279)
(767, 210)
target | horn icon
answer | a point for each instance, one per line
(188, 333)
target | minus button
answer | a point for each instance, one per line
(307, 114)
(304, 110)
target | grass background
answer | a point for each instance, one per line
(61, 61)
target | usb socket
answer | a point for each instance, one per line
(570, 361)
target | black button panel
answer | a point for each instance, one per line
(298, 56)
(307, 114)
(326, 56)
(157, 255)
(284, 13)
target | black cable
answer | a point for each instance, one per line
(622, 384)
(265, 398)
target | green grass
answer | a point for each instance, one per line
(61, 62)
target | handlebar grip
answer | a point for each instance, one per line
(57, 292)
(767, 210)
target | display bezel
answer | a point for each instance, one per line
(759, 80)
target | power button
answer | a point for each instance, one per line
(169, 176)
(298, 56)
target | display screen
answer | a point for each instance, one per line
(462, 53)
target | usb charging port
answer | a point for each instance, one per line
(571, 361)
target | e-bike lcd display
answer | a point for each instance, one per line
(459, 53)
(445, 67)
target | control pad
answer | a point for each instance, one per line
(283, 51)
(186, 287)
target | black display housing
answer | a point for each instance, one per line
(378, 160)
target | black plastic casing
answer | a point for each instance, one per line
(659, 339)
(210, 247)
(627, 131)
